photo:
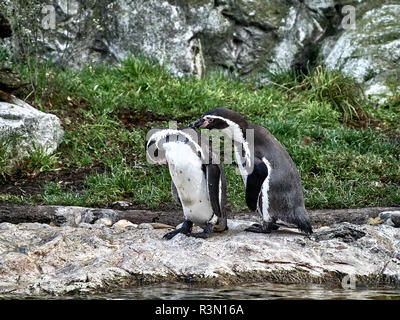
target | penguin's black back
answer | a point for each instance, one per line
(285, 194)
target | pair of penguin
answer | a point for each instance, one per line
(272, 182)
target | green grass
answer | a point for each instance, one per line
(106, 112)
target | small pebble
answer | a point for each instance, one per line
(121, 205)
(104, 221)
(396, 219)
(385, 215)
(124, 224)
(391, 218)
(301, 242)
(145, 226)
(90, 226)
(157, 225)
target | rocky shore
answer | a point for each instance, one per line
(89, 253)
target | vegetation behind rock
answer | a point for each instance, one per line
(346, 147)
(344, 160)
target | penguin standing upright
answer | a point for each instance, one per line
(197, 184)
(273, 185)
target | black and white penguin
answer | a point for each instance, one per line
(272, 181)
(196, 183)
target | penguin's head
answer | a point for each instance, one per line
(162, 140)
(220, 118)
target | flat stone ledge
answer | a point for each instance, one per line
(78, 256)
(72, 216)
(39, 259)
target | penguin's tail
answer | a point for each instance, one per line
(302, 220)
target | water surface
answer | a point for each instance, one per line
(264, 291)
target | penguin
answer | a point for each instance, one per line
(272, 181)
(198, 185)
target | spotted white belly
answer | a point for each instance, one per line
(188, 177)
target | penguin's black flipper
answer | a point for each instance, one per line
(254, 183)
(216, 187)
(213, 175)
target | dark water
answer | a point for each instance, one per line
(265, 291)
(255, 291)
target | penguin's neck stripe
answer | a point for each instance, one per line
(164, 133)
(238, 134)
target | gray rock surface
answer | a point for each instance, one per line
(74, 216)
(370, 52)
(24, 129)
(40, 259)
(107, 222)
(396, 219)
(391, 218)
(250, 38)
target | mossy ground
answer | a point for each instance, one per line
(345, 159)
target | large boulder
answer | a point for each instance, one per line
(24, 129)
(41, 259)
(188, 36)
(250, 38)
(370, 52)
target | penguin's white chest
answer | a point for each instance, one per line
(186, 172)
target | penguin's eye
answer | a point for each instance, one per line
(210, 120)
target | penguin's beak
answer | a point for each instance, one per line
(197, 124)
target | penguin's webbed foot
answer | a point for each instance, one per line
(170, 235)
(185, 229)
(258, 229)
(203, 235)
(264, 228)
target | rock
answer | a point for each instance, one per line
(299, 35)
(104, 221)
(344, 231)
(36, 259)
(370, 52)
(9, 81)
(190, 37)
(145, 226)
(248, 38)
(93, 215)
(385, 215)
(391, 218)
(124, 224)
(121, 205)
(157, 225)
(25, 129)
(72, 215)
(90, 226)
(396, 219)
